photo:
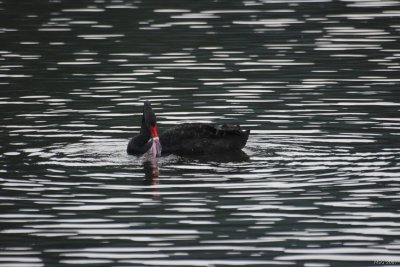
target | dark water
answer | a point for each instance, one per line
(317, 82)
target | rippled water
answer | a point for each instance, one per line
(317, 82)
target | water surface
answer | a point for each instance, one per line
(315, 81)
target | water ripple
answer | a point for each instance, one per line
(315, 82)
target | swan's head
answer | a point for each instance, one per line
(149, 126)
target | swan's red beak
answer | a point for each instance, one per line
(153, 130)
(155, 146)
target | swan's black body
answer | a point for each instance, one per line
(202, 138)
(188, 138)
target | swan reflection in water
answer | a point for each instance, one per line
(151, 172)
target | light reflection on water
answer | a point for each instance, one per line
(315, 81)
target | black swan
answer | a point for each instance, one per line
(187, 138)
